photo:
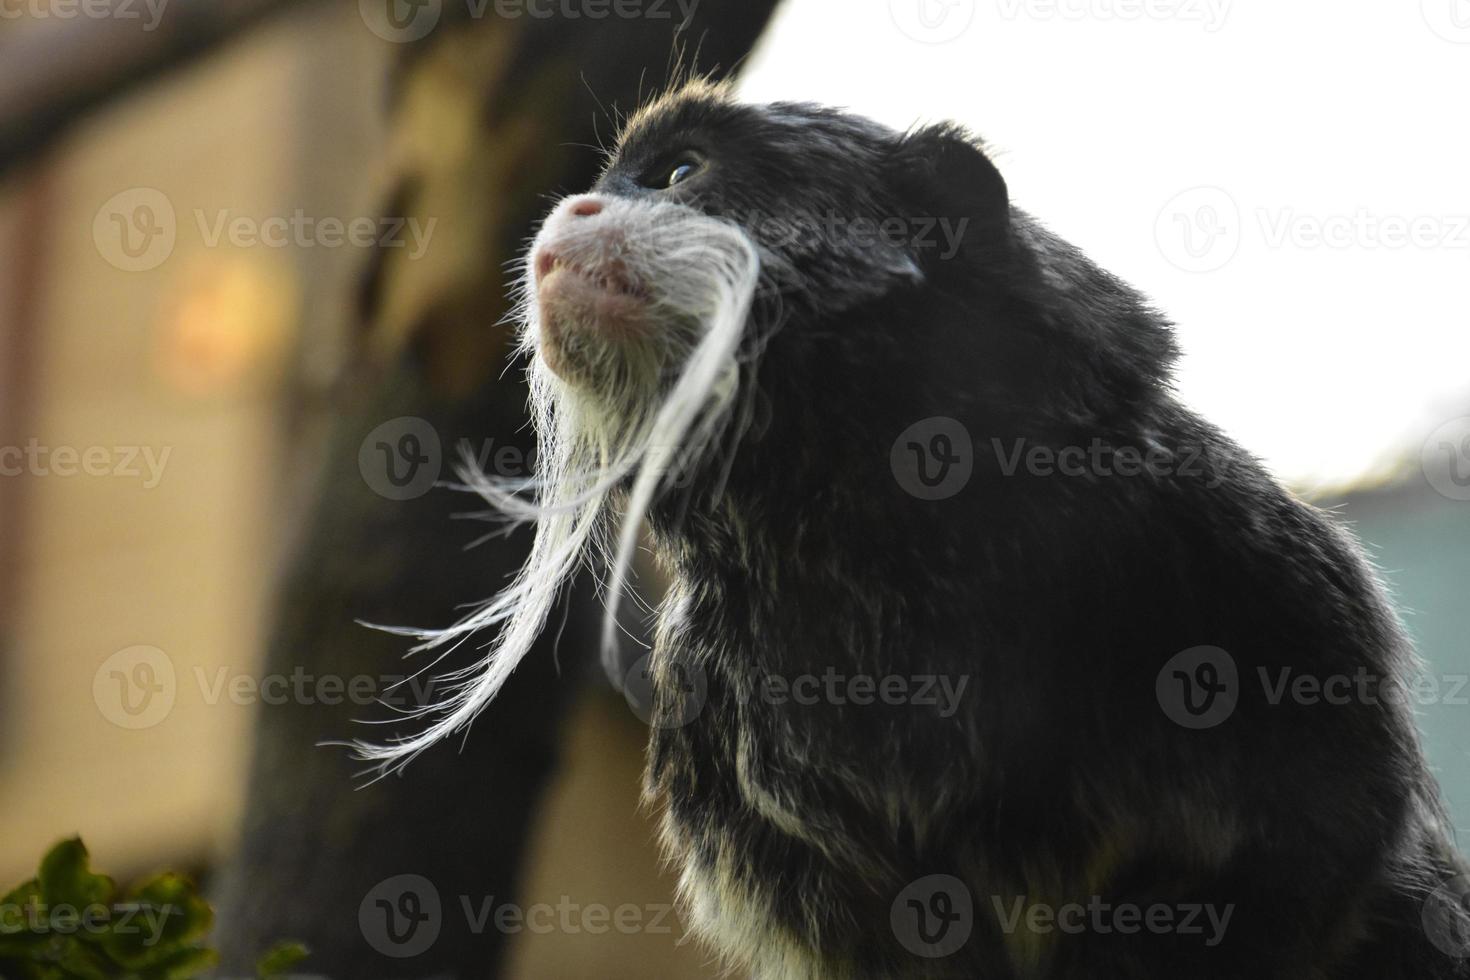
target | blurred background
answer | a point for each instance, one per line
(254, 250)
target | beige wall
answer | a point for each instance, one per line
(191, 358)
(106, 561)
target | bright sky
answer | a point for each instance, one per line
(1319, 278)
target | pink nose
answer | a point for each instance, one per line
(586, 207)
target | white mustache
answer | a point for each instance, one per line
(704, 272)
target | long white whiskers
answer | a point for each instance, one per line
(584, 457)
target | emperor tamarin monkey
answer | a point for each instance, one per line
(820, 357)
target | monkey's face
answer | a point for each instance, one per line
(620, 289)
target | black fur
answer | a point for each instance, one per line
(1060, 778)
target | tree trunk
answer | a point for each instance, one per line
(491, 116)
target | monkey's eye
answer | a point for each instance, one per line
(683, 167)
(682, 172)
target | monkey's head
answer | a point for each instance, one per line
(795, 220)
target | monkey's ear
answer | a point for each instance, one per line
(942, 172)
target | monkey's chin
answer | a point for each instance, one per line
(587, 325)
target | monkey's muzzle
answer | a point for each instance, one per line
(587, 293)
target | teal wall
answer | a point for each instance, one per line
(1421, 543)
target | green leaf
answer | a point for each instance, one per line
(156, 919)
(67, 879)
(81, 962)
(68, 923)
(281, 958)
